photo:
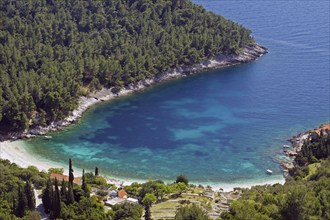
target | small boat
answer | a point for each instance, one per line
(48, 137)
(269, 171)
(286, 146)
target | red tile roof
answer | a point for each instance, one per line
(122, 193)
(324, 127)
(60, 177)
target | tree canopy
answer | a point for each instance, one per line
(192, 212)
(16, 191)
(52, 52)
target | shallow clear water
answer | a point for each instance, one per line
(222, 126)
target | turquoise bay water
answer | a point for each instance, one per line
(222, 126)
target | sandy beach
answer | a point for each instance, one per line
(17, 152)
(227, 187)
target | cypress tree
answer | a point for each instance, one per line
(47, 196)
(147, 213)
(84, 185)
(56, 202)
(71, 177)
(22, 203)
(64, 191)
(31, 201)
(96, 171)
(70, 195)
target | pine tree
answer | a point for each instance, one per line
(31, 201)
(84, 185)
(47, 196)
(42, 117)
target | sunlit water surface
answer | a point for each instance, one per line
(222, 126)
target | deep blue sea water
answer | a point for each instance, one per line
(222, 126)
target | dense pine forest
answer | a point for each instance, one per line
(52, 52)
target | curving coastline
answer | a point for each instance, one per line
(18, 153)
(248, 54)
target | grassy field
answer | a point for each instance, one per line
(312, 169)
(212, 202)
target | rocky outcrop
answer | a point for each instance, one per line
(297, 143)
(248, 54)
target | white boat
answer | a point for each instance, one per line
(48, 137)
(286, 146)
(269, 171)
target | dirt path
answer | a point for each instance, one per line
(40, 206)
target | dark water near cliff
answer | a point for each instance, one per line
(224, 126)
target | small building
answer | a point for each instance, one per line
(132, 200)
(324, 130)
(113, 194)
(114, 201)
(122, 194)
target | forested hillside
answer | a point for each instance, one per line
(52, 52)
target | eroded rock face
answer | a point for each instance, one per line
(287, 166)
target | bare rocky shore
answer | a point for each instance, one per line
(248, 54)
(297, 142)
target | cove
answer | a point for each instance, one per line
(221, 126)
